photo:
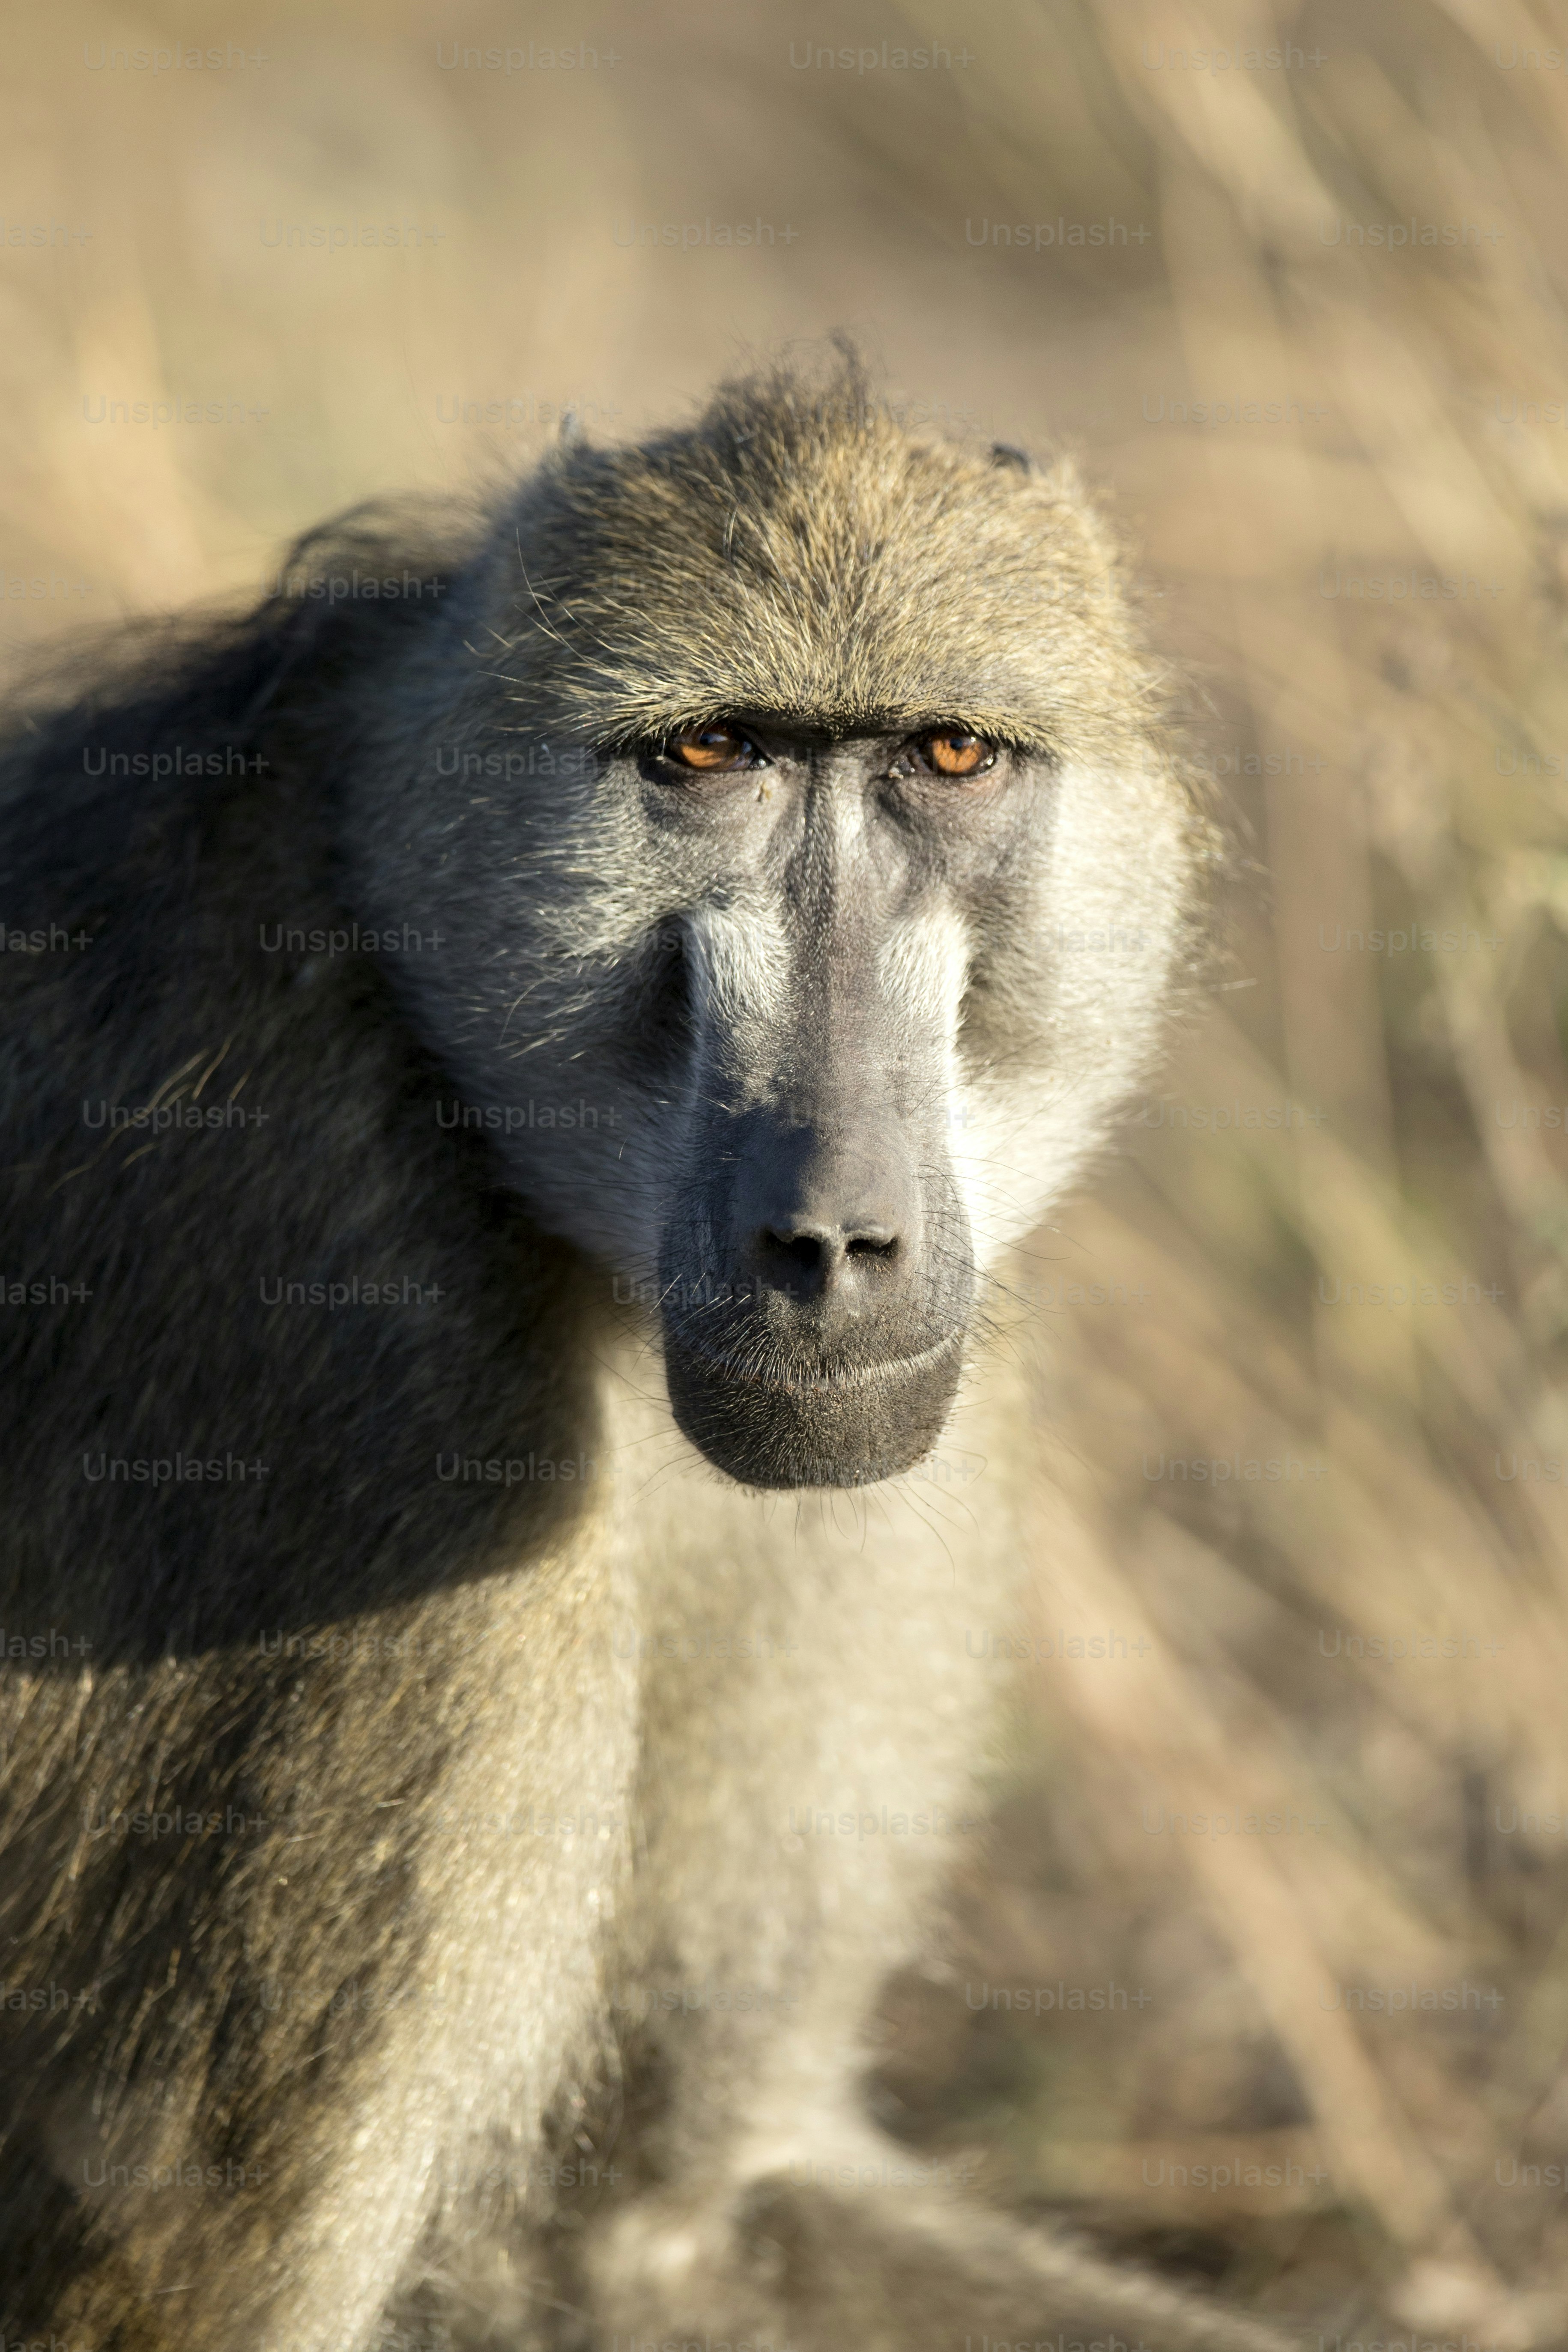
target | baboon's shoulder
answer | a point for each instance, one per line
(245, 1226)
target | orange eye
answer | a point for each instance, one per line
(709, 748)
(954, 751)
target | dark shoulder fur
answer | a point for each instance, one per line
(165, 985)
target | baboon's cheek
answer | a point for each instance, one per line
(846, 1432)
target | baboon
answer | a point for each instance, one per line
(526, 1056)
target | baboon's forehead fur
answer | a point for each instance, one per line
(799, 553)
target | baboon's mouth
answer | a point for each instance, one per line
(779, 1424)
(820, 1379)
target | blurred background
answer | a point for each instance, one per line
(1265, 1975)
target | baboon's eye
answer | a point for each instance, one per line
(709, 748)
(954, 751)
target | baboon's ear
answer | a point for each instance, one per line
(1003, 453)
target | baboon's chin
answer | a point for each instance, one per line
(845, 1430)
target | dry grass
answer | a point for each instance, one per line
(1366, 2159)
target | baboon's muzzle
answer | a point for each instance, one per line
(817, 1294)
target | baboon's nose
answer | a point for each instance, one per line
(808, 1260)
(827, 1215)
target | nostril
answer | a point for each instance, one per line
(807, 1265)
(802, 1251)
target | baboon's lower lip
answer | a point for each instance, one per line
(782, 1425)
(833, 1382)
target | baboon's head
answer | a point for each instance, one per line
(807, 888)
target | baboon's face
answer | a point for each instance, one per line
(815, 1254)
(805, 982)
